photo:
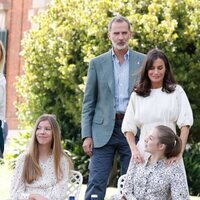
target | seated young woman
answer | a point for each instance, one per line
(154, 179)
(42, 172)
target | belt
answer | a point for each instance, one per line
(119, 116)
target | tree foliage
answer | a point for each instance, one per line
(192, 165)
(71, 32)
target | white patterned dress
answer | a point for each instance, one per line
(154, 182)
(45, 185)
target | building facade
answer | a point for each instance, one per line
(15, 20)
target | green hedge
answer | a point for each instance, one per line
(192, 165)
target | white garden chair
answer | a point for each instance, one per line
(120, 183)
(74, 185)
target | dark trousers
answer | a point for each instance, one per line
(102, 160)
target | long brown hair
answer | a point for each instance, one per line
(143, 88)
(172, 141)
(32, 170)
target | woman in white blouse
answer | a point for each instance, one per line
(2, 96)
(153, 179)
(156, 100)
(42, 173)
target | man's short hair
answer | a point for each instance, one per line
(119, 18)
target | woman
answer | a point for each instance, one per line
(153, 179)
(42, 173)
(156, 100)
(2, 97)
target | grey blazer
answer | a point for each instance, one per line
(98, 113)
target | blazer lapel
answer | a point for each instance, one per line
(134, 64)
(109, 72)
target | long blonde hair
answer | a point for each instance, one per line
(3, 57)
(32, 170)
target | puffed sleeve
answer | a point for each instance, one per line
(185, 116)
(179, 188)
(59, 190)
(17, 189)
(129, 124)
(128, 189)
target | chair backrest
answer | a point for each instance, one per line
(74, 185)
(120, 183)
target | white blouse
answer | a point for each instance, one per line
(159, 108)
(45, 185)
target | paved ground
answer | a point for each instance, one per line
(110, 191)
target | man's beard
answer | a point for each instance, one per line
(119, 47)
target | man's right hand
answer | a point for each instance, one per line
(88, 146)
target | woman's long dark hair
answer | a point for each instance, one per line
(143, 88)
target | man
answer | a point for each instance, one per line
(111, 77)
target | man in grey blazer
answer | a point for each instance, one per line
(110, 80)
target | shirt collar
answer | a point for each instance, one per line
(158, 163)
(126, 56)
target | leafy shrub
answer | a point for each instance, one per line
(17, 145)
(80, 159)
(192, 165)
